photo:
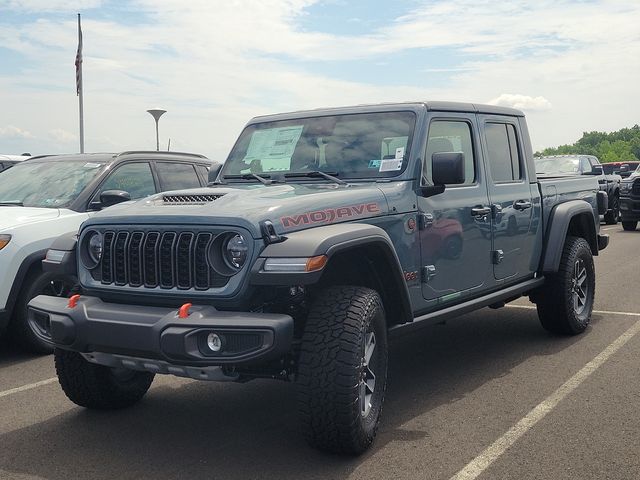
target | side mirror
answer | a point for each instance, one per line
(113, 197)
(624, 168)
(448, 168)
(597, 170)
(214, 171)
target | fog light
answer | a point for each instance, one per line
(214, 342)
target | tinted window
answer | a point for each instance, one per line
(135, 178)
(450, 136)
(176, 176)
(204, 171)
(502, 148)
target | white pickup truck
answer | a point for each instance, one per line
(45, 197)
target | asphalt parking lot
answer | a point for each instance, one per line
(490, 395)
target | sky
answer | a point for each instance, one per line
(572, 66)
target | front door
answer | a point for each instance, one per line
(455, 233)
(511, 200)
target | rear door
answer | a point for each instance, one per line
(510, 196)
(455, 234)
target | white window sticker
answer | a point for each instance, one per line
(399, 153)
(390, 165)
(272, 148)
(92, 165)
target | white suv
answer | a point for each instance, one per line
(46, 197)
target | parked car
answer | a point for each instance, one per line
(8, 161)
(624, 169)
(630, 200)
(45, 197)
(585, 165)
(313, 246)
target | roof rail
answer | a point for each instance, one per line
(156, 152)
(42, 156)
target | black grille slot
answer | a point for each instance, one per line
(135, 259)
(150, 253)
(635, 189)
(107, 257)
(184, 260)
(166, 259)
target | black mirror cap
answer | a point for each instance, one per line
(113, 197)
(597, 170)
(447, 168)
(214, 171)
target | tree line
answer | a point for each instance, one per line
(619, 146)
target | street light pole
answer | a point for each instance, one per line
(156, 113)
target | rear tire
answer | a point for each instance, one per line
(565, 302)
(96, 386)
(629, 226)
(342, 371)
(611, 217)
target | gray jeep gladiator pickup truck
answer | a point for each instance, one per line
(326, 233)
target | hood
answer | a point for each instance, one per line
(15, 216)
(290, 207)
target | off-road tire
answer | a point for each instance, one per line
(20, 330)
(96, 386)
(331, 367)
(555, 301)
(611, 217)
(629, 226)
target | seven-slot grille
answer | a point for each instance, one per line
(166, 259)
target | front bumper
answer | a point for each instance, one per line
(160, 336)
(630, 208)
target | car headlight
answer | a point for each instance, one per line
(235, 251)
(4, 240)
(95, 247)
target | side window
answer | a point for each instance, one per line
(204, 171)
(135, 178)
(176, 176)
(585, 165)
(503, 152)
(450, 136)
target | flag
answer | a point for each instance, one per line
(79, 60)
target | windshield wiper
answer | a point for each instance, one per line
(11, 203)
(249, 176)
(317, 173)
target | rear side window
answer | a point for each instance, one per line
(502, 147)
(450, 136)
(204, 171)
(177, 176)
(135, 178)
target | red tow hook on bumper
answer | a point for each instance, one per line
(73, 301)
(184, 310)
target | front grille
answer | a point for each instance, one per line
(184, 199)
(635, 190)
(167, 259)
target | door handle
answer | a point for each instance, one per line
(522, 204)
(480, 211)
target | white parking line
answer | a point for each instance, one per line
(479, 464)
(604, 312)
(610, 228)
(6, 393)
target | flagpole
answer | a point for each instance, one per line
(79, 85)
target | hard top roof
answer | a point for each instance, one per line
(435, 106)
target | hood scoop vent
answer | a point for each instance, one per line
(189, 199)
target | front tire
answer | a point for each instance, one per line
(342, 372)
(96, 386)
(565, 302)
(629, 226)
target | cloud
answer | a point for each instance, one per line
(522, 102)
(50, 5)
(62, 136)
(14, 132)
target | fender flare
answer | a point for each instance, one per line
(67, 265)
(330, 240)
(18, 281)
(556, 233)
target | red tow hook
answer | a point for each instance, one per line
(184, 310)
(73, 301)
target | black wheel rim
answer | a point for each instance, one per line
(368, 375)
(580, 287)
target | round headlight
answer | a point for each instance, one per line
(235, 251)
(95, 247)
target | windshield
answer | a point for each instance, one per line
(351, 146)
(52, 184)
(557, 165)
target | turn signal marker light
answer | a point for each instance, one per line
(316, 263)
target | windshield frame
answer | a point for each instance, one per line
(285, 119)
(77, 202)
